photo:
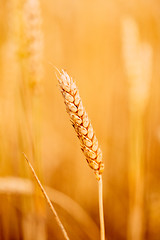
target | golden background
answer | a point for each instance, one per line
(86, 39)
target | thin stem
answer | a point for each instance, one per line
(48, 200)
(101, 211)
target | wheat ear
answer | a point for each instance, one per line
(85, 133)
(81, 123)
(47, 199)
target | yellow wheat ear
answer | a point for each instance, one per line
(81, 123)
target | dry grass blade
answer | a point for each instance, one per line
(47, 199)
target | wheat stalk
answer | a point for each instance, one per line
(138, 64)
(85, 133)
(31, 60)
(101, 211)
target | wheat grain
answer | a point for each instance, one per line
(81, 123)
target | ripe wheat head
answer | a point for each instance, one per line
(81, 123)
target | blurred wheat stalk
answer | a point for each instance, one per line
(22, 75)
(138, 65)
(31, 61)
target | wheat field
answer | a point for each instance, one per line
(111, 49)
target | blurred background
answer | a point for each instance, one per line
(112, 51)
